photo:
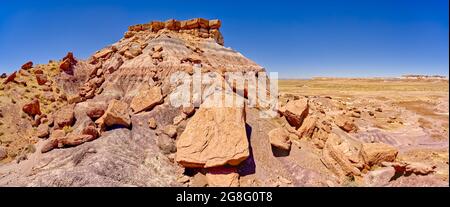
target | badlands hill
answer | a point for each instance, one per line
(112, 120)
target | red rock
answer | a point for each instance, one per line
(38, 71)
(27, 65)
(68, 62)
(10, 77)
(308, 127)
(41, 79)
(214, 136)
(345, 123)
(95, 112)
(33, 108)
(91, 130)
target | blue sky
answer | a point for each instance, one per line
(298, 39)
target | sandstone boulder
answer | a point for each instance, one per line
(41, 79)
(42, 131)
(376, 153)
(214, 136)
(33, 108)
(27, 65)
(116, 114)
(279, 138)
(95, 112)
(214, 24)
(64, 117)
(146, 99)
(91, 130)
(222, 177)
(296, 111)
(308, 126)
(345, 123)
(189, 111)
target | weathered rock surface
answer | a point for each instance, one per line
(296, 111)
(214, 137)
(335, 160)
(222, 177)
(27, 65)
(345, 124)
(42, 131)
(116, 114)
(279, 138)
(376, 153)
(146, 99)
(64, 117)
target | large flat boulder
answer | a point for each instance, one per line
(215, 136)
(146, 99)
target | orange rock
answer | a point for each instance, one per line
(376, 153)
(214, 136)
(156, 26)
(172, 24)
(116, 114)
(32, 108)
(214, 24)
(308, 126)
(296, 111)
(146, 99)
(222, 177)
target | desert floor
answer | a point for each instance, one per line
(414, 116)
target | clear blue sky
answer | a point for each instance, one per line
(295, 38)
